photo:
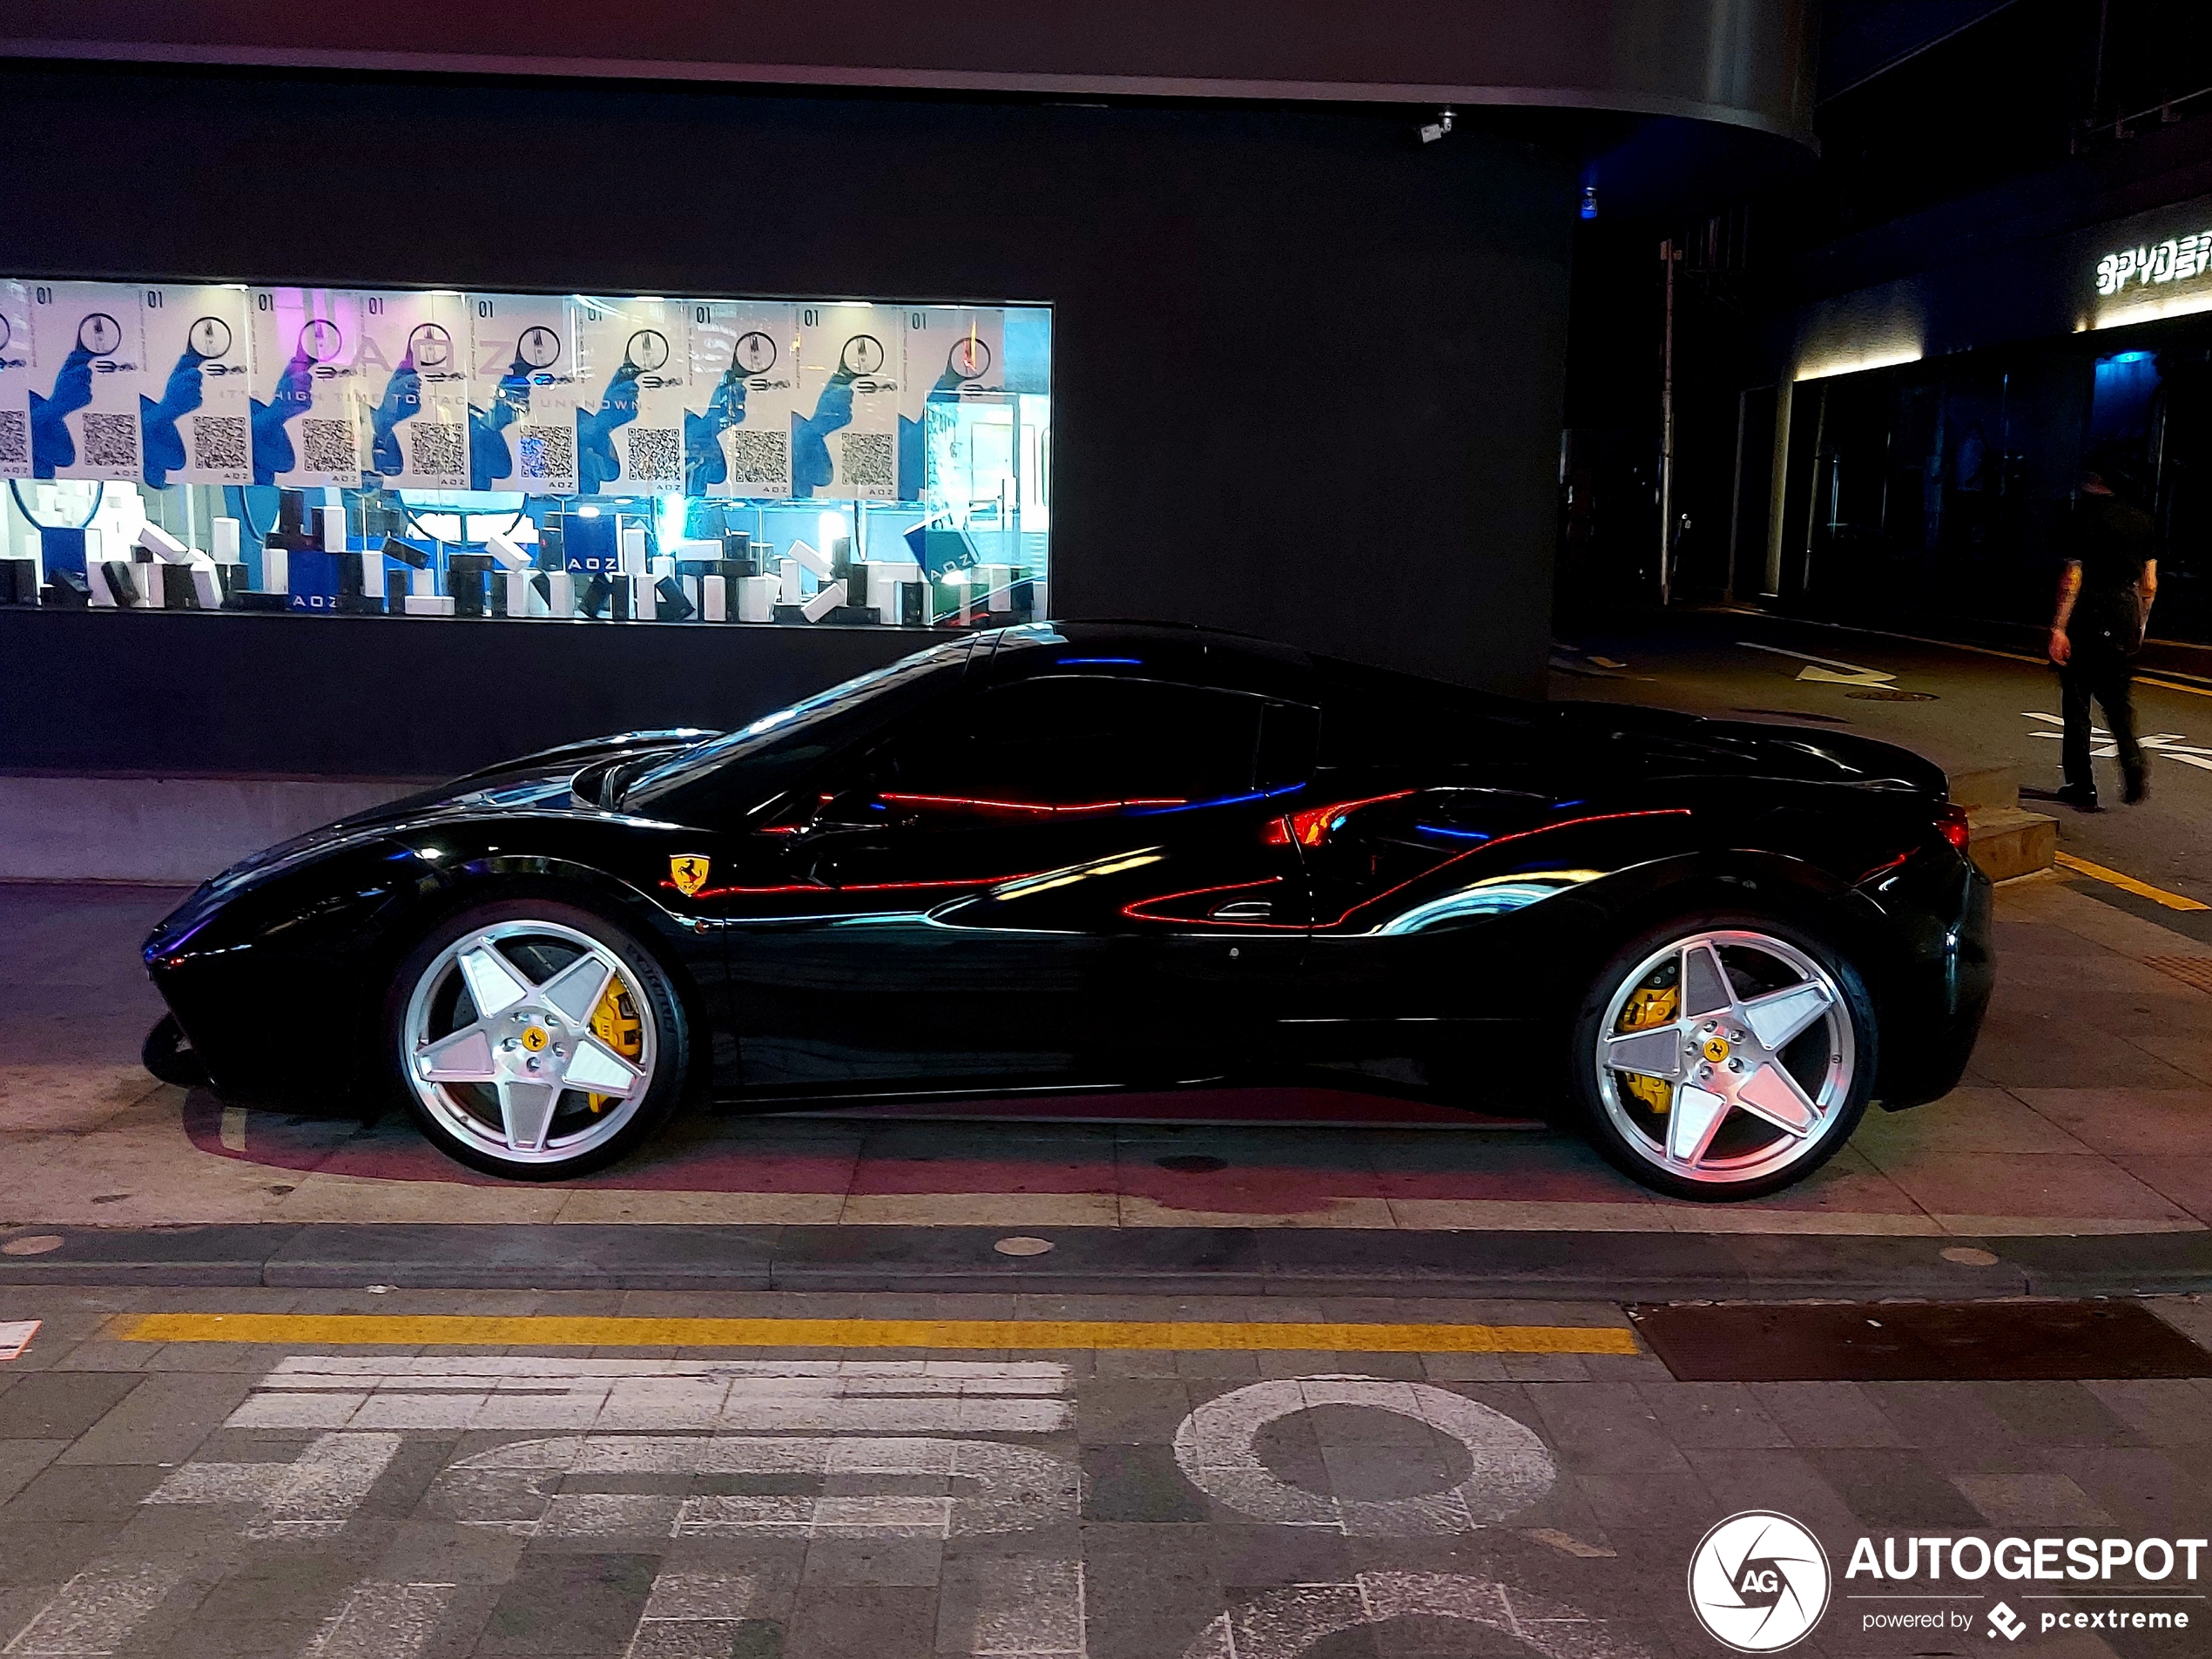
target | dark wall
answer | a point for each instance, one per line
(394, 697)
(1306, 370)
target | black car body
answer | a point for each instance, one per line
(1108, 852)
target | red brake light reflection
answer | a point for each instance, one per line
(1952, 823)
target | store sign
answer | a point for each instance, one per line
(2174, 260)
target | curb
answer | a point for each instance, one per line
(1606, 1266)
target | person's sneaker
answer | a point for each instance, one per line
(2082, 800)
(2137, 791)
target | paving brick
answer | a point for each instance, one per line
(60, 1406)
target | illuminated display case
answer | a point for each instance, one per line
(430, 453)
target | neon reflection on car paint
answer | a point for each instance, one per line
(1497, 896)
(977, 805)
(1492, 846)
(1219, 800)
(1311, 826)
(1140, 909)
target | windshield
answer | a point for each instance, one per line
(758, 759)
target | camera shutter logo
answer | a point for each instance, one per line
(1759, 1582)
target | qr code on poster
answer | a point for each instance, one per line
(655, 454)
(437, 449)
(328, 446)
(219, 443)
(759, 457)
(111, 441)
(870, 461)
(547, 452)
(14, 438)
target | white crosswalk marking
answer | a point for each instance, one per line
(312, 1496)
(515, 1392)
(1282, 1624)
(383, 1621)
(541, 1488)
(96, 1611)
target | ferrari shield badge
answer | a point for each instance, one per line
(688, 871)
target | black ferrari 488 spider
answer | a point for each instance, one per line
(1103, 853)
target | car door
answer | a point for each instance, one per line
(1066, 875)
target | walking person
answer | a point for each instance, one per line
(2105, 595)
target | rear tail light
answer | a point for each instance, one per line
(1951, 823)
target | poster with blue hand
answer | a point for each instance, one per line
(194, 417)
(844, 431)
(745, 385)
(304, 414)
(88, 354)
(15, 380)
(522, 394)
(952, 351)
(634, 374)
(412, 384)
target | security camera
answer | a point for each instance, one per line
(1431, 132)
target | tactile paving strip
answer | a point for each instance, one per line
(2190, 970)
(1917, 1342)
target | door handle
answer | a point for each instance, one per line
(1243, 910)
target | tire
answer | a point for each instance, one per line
(1722, 1101)
(168, 1054)
(568, 991)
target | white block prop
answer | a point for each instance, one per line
(334, 528)
(560, 595)
(817, 562)
(659, 566)
(276, 570)
(372, 573)
(997, 579)
(714, 600)
(421, 584)
(788, 592)
(823, 603)
(887, 582)
(522, 594)
(430, 604)
(226, 535)
(642, 600)
(206, 584)
(757, 598)
(508, 552)
(633, 550)
(164, 546)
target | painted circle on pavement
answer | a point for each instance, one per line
(1215, 1448)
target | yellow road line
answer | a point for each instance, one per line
(415, 1330)
(2128, 883)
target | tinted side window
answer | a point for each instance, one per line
(1371, 717)
(1081, 742)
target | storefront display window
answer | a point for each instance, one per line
(322, 451)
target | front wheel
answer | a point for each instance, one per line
(536, 1040)
(1722, 1057)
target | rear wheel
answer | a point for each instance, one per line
(1723, 1057)
(536, 1040)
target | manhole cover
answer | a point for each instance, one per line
(1886, 694)
(1192, 1164)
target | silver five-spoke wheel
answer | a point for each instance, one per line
(530, 1043)
(1727, 1057)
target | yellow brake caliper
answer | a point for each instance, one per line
(1650, 1006)
(615, 1022)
